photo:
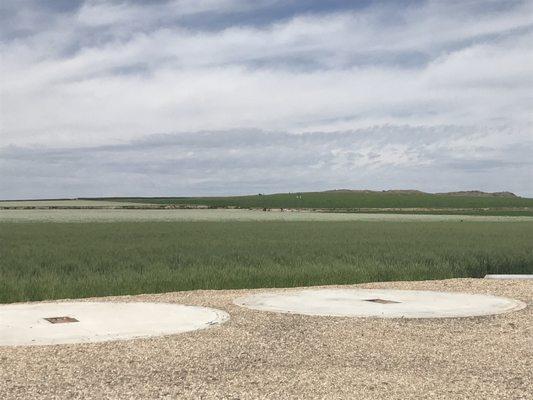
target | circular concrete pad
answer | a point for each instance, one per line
(84, 322)
(383, 303)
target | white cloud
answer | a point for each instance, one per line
(115, 72)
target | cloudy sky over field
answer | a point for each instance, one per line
(185, 97)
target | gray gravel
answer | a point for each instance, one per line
(262, 355)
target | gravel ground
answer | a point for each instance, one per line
(262, 355)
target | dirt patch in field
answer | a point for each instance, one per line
(267, 355)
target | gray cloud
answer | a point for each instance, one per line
(236, 162)
(423, 94)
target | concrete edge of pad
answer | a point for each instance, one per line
(78, 322)
(510, 276)
(381, 303)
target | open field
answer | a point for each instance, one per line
(265, 355)
(177, 215)
(403, 202)
(71, 260)
(414, 202)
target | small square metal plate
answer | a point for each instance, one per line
(61, 320)
(382, 301)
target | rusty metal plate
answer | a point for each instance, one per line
(61, 320)
(382, 301)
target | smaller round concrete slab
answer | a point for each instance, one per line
(84, 322)
(380, 303)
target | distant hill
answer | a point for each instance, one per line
(347, 200)
(472, 202)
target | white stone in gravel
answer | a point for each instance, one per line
(25, 323)
(510, 276)
(380, 303)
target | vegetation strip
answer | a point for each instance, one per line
(70, 260)
(343, 201)
(350, 200)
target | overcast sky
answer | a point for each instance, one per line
(206, 97)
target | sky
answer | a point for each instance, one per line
(205, 97)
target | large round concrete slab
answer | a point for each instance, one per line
(380, 303)
(83, 322)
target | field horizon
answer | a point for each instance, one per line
(338, 200)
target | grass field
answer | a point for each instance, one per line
(333, 201)
(71, 260)
(344, 200)
(390, 202)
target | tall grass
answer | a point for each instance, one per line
(69, 260)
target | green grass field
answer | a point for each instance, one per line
(392, 202)
(70, 260)
(361, 202)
